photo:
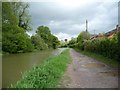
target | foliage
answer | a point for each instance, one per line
(38, 42)
(15, 40)
(72, 43)
(55, 41)
(51, 40)
(106, 47)
(118, 51)
(46, 75)
(20, 10)
(7, 15)
(15, 22)
(83, 36)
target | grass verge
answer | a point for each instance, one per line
(46, 75)
(108, 61)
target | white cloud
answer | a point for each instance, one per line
(63, 36)
(29, 34)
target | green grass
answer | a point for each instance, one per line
(108, 61)
(46, 75)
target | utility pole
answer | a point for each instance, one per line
(86, 26)
(117, 27)
(94, 32)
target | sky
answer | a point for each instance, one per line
(66, 18)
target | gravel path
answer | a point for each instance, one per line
(85, 72)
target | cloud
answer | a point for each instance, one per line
(63, 36)
(67, 22)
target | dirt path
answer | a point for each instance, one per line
(85, 72)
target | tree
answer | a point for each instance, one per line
(55, 41)
(14, 38)
(7, 15)
(46, 35)
(83, 36)
(38, 42)
(72, 42)
(20, 10)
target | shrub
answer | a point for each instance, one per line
(106, 47)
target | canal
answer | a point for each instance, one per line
(14, 65)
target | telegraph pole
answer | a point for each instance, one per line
(94, 31)
(86, 26)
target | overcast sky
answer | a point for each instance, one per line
(66, 18)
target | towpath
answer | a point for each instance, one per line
(85, 72)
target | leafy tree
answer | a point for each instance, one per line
(7, 15)
(72, 42)
(55, 41)
(20, 10)
(38, 42)
(46, 35)
(14, 38)
(83, 36)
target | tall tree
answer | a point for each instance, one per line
(46, 35)
(83, 36)
(14, 38)
(55, 42)
(7, 14)
(20, 10)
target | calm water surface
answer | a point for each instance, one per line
(15, 64)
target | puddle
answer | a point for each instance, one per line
(108, 74)
(93, 65)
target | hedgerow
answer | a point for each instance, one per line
(107, 47)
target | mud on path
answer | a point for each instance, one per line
(85, 72)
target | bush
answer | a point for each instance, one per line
(106, 47)
(15, 40)
(38, 43)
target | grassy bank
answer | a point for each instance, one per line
(46, 75)
(110, 62)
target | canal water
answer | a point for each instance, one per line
(14, 65)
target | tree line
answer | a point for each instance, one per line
(16, 21)
(107, 47)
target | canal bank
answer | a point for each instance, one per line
(14, 65)
(46, 75)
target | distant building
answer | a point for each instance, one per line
(114, 31)
(107, 34)
(97, 36)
